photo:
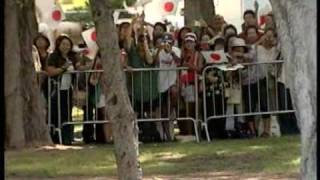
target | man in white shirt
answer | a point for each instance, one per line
(167, 56)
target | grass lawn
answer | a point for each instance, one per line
(272, 158)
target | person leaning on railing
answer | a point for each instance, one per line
(192, 59)
(268, 52)
(61, 60)
(253, 88)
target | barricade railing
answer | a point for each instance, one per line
(167, 95)
(149, 106)
(78, 91)
(252, 90)
(164, 95)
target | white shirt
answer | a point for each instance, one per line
(250, 74)
(167, 78)
(267, 55)
(66, 79)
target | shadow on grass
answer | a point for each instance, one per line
(261, 155)
(274, 155)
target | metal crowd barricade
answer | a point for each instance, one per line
(147, 114)
(79, 98)
(260, 69)
(149, 109)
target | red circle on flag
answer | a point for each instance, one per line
(94, 36)
(86, 51)
(262, 20)
(215, 57)
(56, 15)
(168, 6)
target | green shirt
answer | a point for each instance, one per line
(145, 83)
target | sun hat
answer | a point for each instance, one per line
(239, 42)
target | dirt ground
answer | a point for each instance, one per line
(199, 176)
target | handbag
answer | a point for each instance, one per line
(79, 97)
(234, 95)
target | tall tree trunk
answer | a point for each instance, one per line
(118, 106)
(207, 10)
(296, 24)
(195, 10)
(25, 118)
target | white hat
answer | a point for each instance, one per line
(190, 37)
(238, 42)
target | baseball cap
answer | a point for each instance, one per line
(167, 37)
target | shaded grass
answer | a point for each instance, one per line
(271, 156)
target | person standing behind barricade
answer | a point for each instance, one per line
(234, 125)
(145, 91)
(60, 61)
(216, 25)
(180, 37)
(40, 54)
(168, 56)
(250, 19)
(42, 44)
(215, 80)
(159, 29)
(267, 52)
(236, 50)
(192, 59)
(97, 99)
(253, 89)
(229, 30)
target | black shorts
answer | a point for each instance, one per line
(251, 95)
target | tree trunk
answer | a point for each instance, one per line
(207, 10)
(25, 118)
(195, 10)
(118, 106)
(296, 24)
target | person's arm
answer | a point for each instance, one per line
(156, 56)
(200, 63)
(175, 57)
(51, 69)
(148, 55)
(54, 71)
(83, 64)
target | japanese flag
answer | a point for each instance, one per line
(263, 12)
(90, 38)
(49, 12)
(168, 7)
(215, 57)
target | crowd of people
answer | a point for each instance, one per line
(231, 86)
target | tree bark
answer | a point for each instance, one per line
(118, 106)
(296, 26)
(207, 10)
(25, 118)
(195, 10)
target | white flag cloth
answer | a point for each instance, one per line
(90, 37)
(227, 67)
(215, 57)
(49, 12)
(168, 7)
